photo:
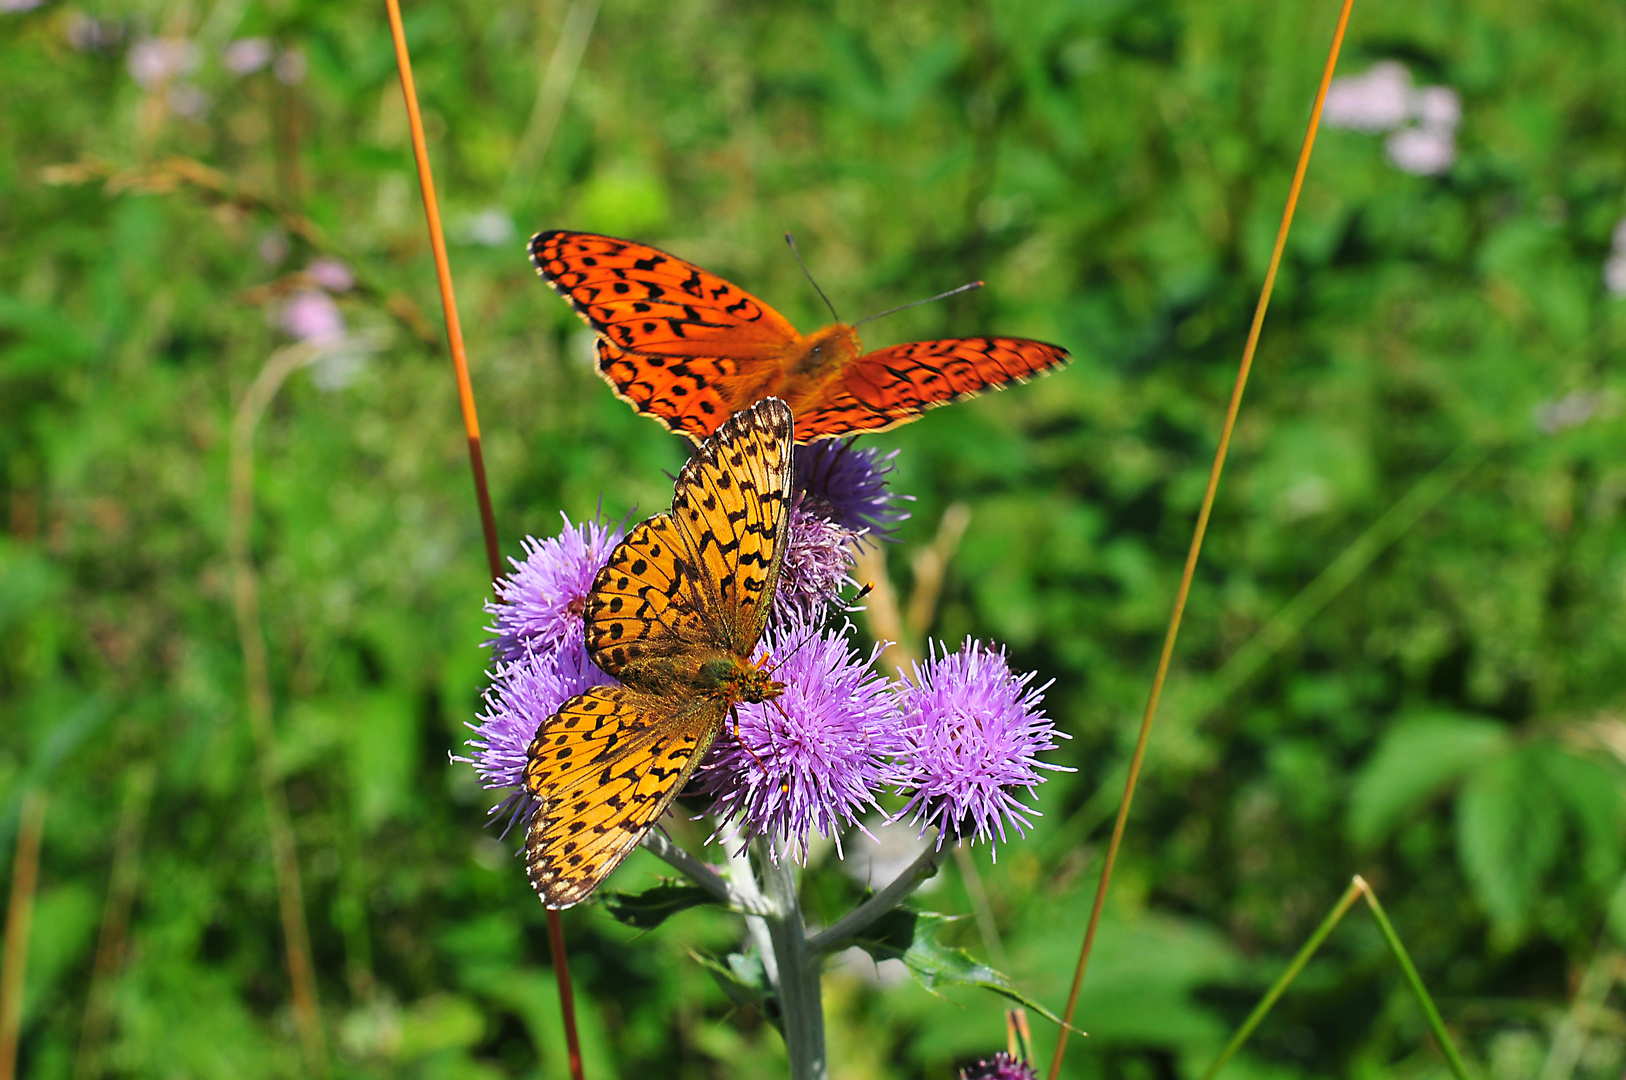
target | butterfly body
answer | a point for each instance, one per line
(691, 349)
(675, 614)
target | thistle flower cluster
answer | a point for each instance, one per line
(957, 739)
(1001, 1066)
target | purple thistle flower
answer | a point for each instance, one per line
(524, 693)
(972, 729)
(539, 606)
(848, 486)
(817, 764)
(999, 1067)
(818, 556)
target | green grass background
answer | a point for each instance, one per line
(1448, 724)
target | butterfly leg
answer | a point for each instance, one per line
(734, 714)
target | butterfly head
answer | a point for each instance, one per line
(729, 677)
(826, 351)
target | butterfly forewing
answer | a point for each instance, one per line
(893, 386)
(603, 770)
(646, 301)
(647, 601)
(732, 505)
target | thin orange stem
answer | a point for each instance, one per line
(25, 871)
(448, 299)
(471, 426)
(1197, 539)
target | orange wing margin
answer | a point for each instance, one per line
(643, 300)
(893, 386)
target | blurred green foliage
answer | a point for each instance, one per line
(1449, 724)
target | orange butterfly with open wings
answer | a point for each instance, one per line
(690, 349)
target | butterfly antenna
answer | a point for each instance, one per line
(797, 255)
(968, 286)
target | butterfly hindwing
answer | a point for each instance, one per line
(893, 386)
(691, 396)
(644, 300)
(602, 771)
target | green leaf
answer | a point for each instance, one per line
(1417, 759)
(648, 909)
(911, 936)
(1508, 830)
(1591, 791)
(744, 980)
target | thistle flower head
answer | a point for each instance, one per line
(1001, 1066)
(818, 556)
(539, 606)
(848, 486)
(972, 731)
(523, 693)
(812, 758)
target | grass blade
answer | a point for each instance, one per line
(1280, 986)
(1435, 1024)
(1184, 590)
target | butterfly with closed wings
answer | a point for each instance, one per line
(675, 614)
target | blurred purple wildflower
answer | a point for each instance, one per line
(19, 5)
(245, 56)
(311, 315)
(154, 61)
(539, 606)
(817, 764)
(188, 101)
(330, 274)
(818, 555)
(290, 67)
(1614, 268)
(972, 730)
(273, 247)
(999, 1067)
(1421, 151)
(1378, 100)
(848, 486)
(92, 35)
(522, 695)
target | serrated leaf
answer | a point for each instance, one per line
(648, 909)
(1508, 831)
(1417, 759)
(911, 936)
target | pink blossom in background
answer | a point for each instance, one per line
(1437, 107)
(92, 35)
(1423, 119)
(290, 67)
(1421, 151)
(311, 315)
(1379, 100)
(247, 55)
(188, 101)
(1571, 410)
(273, 247)
(19, 5)
(1614, 269)
(331, 274)
(157, 60)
